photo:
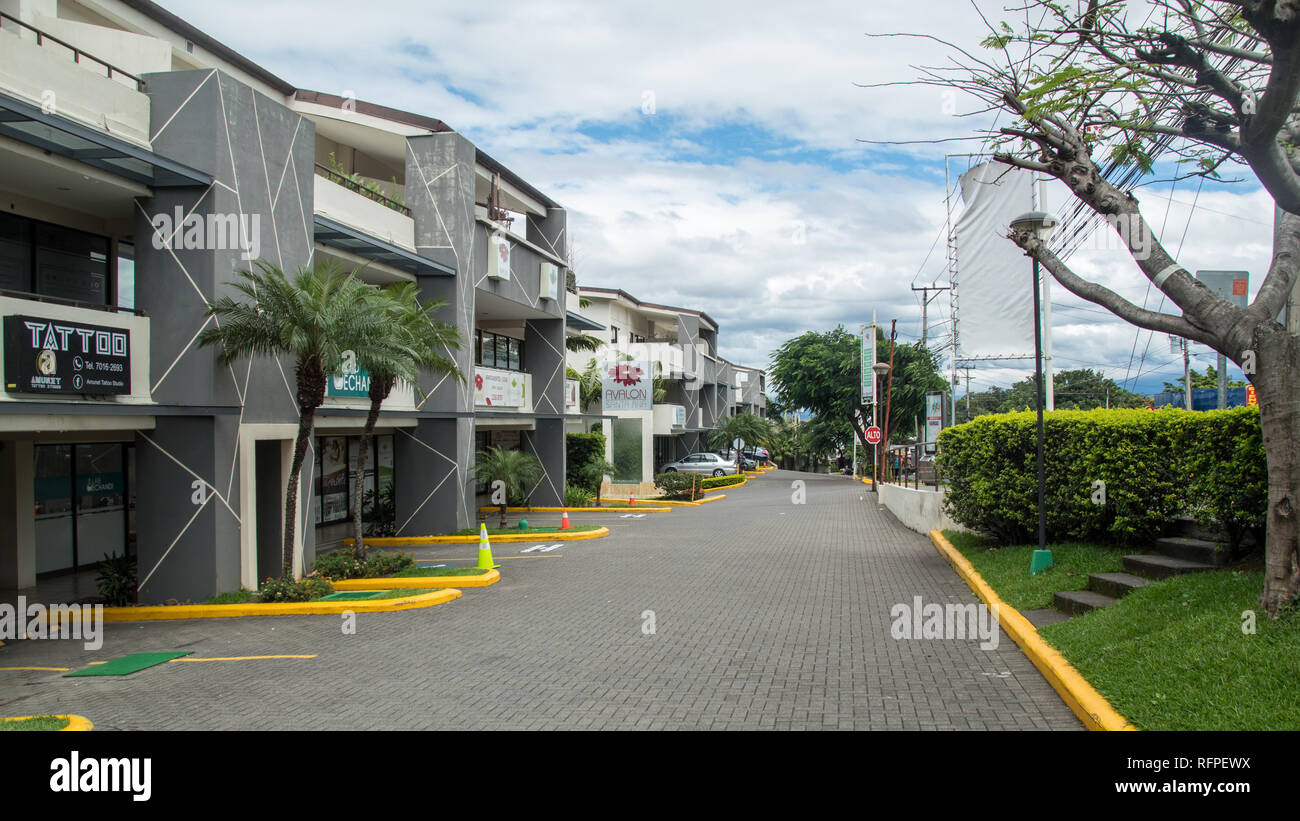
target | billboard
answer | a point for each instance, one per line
(627, 386)
(57, 356)
(867, 340)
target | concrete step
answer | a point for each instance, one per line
(1076, 602)
(1154, 566)
(1044, 617)
(1116, 585)
(1188, 527)
(1206, 551)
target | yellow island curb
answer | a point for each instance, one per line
(483, 580)
(75, 723)
(646, 508)
(1090, 706)
(230, 611)
(517, 536)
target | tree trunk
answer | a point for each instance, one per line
(1277, 383)
(311, 393)
(378, 393)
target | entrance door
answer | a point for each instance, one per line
(81, 504)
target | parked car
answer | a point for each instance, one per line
(710, 464)
(747, 460)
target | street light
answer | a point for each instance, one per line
(879, 369)
(1041, 224)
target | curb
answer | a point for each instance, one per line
(349, 585)
(638, 509)
(1082, 698)
(521, 536)
(75, 723)
(741, 483)
(229, 611)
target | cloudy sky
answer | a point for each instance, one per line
(710, 155)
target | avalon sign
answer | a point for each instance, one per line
(626, 386)
(62, 357)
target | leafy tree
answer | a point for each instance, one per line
(314, 318)
(1081, 389)
(1211, 84)
(518, 470)
(1209, 379)
(753, 429)
(416, 342)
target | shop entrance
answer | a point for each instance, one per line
(84, 506)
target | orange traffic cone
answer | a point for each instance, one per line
(631, 499)
(564, 522)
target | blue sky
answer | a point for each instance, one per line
(711, 155)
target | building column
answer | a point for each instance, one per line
(432, 493)
(17, 521)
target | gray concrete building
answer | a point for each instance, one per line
(142, 164)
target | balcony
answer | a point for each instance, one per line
(70, 353)
(84, 72)
(669, 419)
(362, 212)
(498, 389)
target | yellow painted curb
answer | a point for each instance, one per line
(75, 723)
(741, 483)
(1090, 706)
(521, 536)
(229, 611)
(639, 509)
(348, 585)
(705, 499)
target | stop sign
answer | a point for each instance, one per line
(873, 435)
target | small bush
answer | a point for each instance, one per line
(585, 464)
(384, 563)
(339, 565)
(116, 579)
(712, 482)
(578, 497)
(288, 590)
(684, 486)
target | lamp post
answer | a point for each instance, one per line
(879, 369)
(1040, 224)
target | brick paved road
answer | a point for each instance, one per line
(768, 615)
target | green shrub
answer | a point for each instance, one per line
(578, 497)
(585, 464)
(339, 565)
(287, 590)
(383, 563)
(116, 579)
(711, 482)
(1154, 465)
(684, 486)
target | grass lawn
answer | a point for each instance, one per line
(416, 572)
(1171, 655)
(235, 597)
(496, 531)
(1007, 568)
(35, 723)
(400, 594)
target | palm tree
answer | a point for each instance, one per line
(314, 318)
(582, 342)
(412, 327)
(516, 469)
(747, 426)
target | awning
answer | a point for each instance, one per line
(346, 238)
(28, 124)
(581, 322)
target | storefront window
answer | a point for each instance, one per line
(336, 472)
(627, 450)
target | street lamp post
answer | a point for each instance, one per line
(1041, 225)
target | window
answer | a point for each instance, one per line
(498, 351)
(50, 260)
(613, 335)
(336, 471)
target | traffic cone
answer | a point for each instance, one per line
(631, 499)
(564, 522)
(485, 561)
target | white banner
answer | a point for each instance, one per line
(993, 284)
(627, 385)
(498, 389)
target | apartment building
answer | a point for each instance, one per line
(748, 391)
(143, 163)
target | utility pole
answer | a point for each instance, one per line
(925, 305)
(967, 369)
(1187, 377)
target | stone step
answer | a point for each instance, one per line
(1116, 585)
(1206, 551)
(1188, 527)
(1154, 566)
(1076, 602)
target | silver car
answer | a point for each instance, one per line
(710, 464)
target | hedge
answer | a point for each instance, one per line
(727, 480)
(1154, 465)
(675, 485)
(581, 449)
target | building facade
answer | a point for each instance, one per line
(142, 165)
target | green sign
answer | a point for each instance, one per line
(356, 383)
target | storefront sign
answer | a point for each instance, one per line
(61, 357)
(679, 416)
(571, 396)
(494, 388)
(352, 380)
(627, 386)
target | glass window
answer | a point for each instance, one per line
(125, 275)
(627, 450)
(514, 361)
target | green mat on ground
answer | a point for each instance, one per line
(351, 596)
(127, 665)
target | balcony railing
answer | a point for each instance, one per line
(109, 69)
(71, 303)
(361, 188)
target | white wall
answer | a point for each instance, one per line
(919, 510)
